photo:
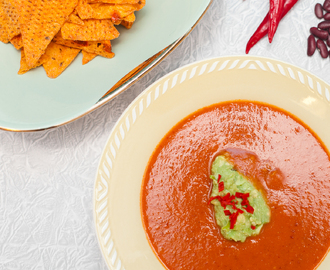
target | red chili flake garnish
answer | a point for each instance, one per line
(226, 197)
(230, 200)
(227, 212)
(219, 198)
(242, 195)
(219, 178)
(245, 202)
(240, 211)
(227, 200)
(223, 204)
(236, 208)
(249, 209)
(221, 186)
(233, 219)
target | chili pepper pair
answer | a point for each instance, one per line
(278, 9)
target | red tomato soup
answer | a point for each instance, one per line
(278, 152)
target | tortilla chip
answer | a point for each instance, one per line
(53, 32)
(139, 5)
(40, 20)
(115, 1)
(17, 42)
(114, 12)
(74, 18)
(4, 37)
(13, 27)
(92, 30)
(24, 66)
(58, 58)
(87, 57)
(84, 10)
(128, 21)
(102, 48)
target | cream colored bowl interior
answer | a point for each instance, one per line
(154, 112)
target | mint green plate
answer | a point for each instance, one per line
(34, 102)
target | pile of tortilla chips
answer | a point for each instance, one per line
(51, 33)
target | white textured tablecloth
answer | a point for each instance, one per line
(47, 177)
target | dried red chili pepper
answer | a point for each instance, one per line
(275, 15)
(262, 30)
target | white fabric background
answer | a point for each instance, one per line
(47, 177)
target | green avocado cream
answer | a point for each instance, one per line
(240, 209)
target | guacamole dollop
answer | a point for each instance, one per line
(240, 209)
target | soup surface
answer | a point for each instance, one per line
(283, 158)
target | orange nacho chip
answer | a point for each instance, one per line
(115, 1)
(24, 66)
(53, 32)
(40, 20)
(17, 42)
(13, 27)
(84, 10)
(114, 12)
(87, 57)
(4, 37)
(128, 21)
(92, 30)
(57, 58)
(102, 48)
(74, 18)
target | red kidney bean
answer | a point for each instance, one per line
(322, 48)
(324, 25)
(328, 41)
(326, 16)
(322, 34)
(318, 11)
(311, 45)
(326, 5)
